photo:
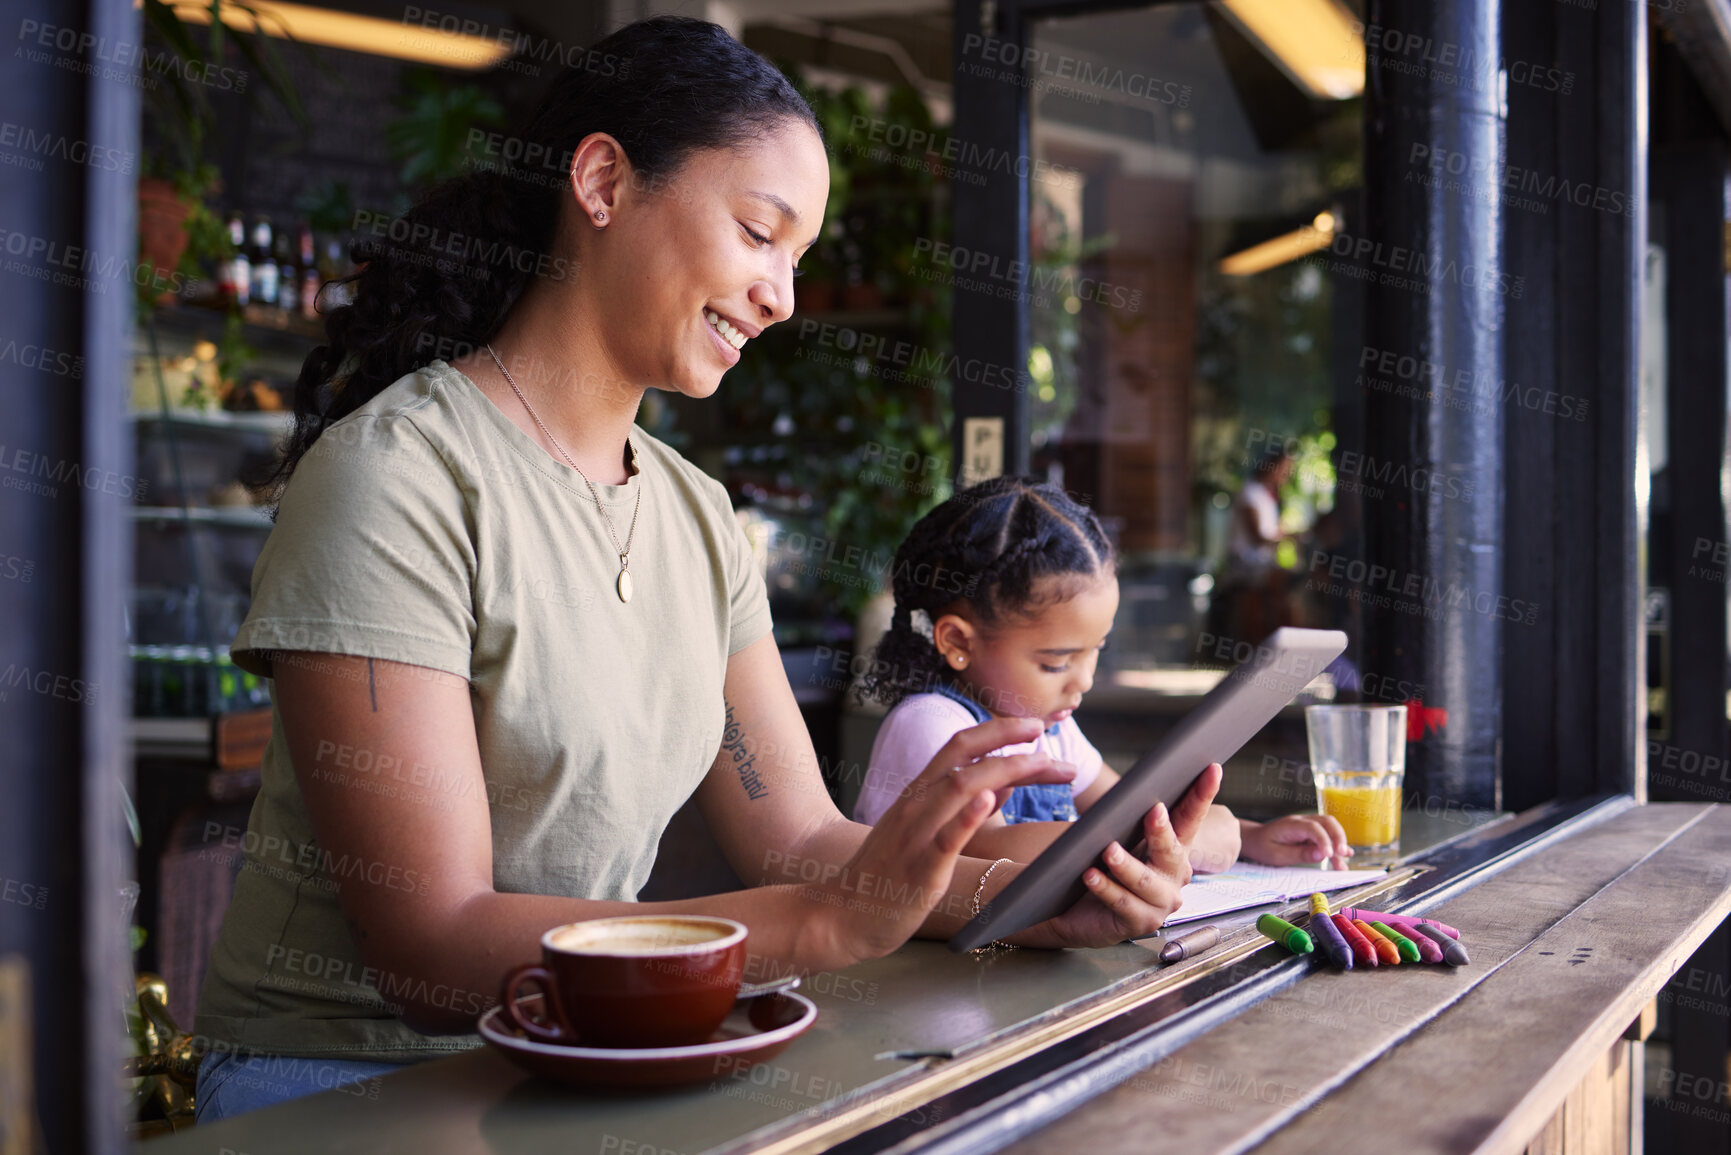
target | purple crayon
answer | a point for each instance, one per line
(1329, 941)
(1395, 920)
(1454, 952)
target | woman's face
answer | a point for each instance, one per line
(718, 239)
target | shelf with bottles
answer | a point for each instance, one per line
(275, 277)
(276, 423)
(884, 318)
(222, 517)
(191, 682)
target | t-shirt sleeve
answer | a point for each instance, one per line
(908, 740)
(371, 555)
(748, 598)
(1074, 748)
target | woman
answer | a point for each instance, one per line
(511, 633)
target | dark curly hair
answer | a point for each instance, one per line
(987, 546)
(665, 88)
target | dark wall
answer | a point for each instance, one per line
(1573, 702)
(66, 294)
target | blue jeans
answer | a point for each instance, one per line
(230, 1084)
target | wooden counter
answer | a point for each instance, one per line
(1575, 921)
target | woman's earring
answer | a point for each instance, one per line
(600, 217)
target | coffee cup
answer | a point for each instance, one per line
(637, 981)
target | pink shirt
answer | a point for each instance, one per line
(914, 732)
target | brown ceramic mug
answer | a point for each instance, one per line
(637, 981)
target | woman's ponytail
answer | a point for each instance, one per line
(437, 282)
(432, 284)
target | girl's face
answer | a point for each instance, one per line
(720, 240)
(1037, 667)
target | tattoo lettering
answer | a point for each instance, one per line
(372, 688)
(733, 744)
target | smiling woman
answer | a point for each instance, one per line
(511, 633)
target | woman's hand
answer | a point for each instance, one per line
(1140, 894)
(903, 868)
(1218, 842)
(1297, 840)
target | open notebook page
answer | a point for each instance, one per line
(1250, 884)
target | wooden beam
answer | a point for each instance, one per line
(1264, 1073)
(1501, 1061)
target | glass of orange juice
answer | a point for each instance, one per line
(1357, 760)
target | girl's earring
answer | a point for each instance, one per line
(958, 660)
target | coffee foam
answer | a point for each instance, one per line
(640, 938)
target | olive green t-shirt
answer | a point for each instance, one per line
(428, 529)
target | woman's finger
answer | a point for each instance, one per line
(1137, 910)
(976, 742)
(953, 835)
(1164, 854)
(1187, 816)
(934, 802)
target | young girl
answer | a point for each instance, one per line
(1005, 595)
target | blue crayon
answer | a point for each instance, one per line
(1329, 941)
(1454, 952)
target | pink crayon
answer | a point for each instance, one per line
(1428, 950)
(1395, 920)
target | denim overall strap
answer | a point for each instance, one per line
(1038, 802)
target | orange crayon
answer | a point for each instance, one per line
(1386, 951)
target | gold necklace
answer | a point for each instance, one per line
(623, 585)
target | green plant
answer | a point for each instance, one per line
(328, 206)
(179, 107)
(824, 413)
(430, 139)
(207, 240)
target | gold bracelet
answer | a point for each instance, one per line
(980, 891)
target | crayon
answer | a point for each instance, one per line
(1190, 945)
(1330, 943)
(1428, 950)
(1454, 952)
(1408, 949)
(1385, 950)
(1397, 919)
(1285, 934)
(1361, 948)
(1319, 905)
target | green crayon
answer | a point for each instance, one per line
(1285, 934)
(1407, 948)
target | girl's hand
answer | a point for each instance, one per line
(1297, 840)
(902, 870)
(1140, 894)
(1218, 843)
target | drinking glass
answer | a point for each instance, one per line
(1358, 760)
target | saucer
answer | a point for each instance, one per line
(754, 1030)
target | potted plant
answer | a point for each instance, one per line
(176, 228)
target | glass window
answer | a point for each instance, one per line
(1191, 337)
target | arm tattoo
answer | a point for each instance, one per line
(733, 745)
(371, 688)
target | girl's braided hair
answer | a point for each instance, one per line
(988, 546)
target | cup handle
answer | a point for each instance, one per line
(553, 1028)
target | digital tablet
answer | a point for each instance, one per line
(1246, 700)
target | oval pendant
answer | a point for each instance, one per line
(624, 585)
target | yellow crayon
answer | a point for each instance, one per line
(1319, 905)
